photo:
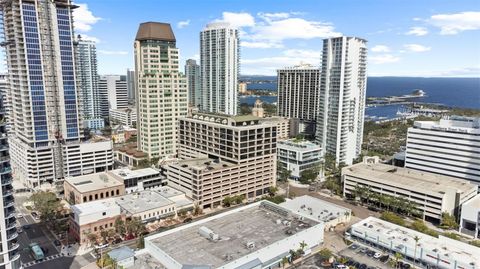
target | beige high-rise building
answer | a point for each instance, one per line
(225, 156)
(161, 89)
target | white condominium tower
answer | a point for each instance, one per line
(298, 94)
(161, 89)
(448, 147)
(88, 82)
(45, 118)
(342, 97)
(114, 91)
(219, 68)
(192, 71)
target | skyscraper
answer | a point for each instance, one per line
(192, 71)
(162, 89)
(342, 97)
(88, 82)
(298, 94)
(131, 85)
(219, 68)
(9, 257)
(43, 91)
(114, 93)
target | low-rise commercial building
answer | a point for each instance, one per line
(470, 217)
(433, 194)
(441, 252)
(123, 256)
(146, 205)
(319, 210)
(139, 179)
(298, 156)
(129, 155)
(124, 116)
(257, 235)
(92, 217)
(92, 187)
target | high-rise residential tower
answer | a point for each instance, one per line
(9, 256)
(161, 89)
(219, 68)
(298, 94)
(114, 93)
(88, 82)
(46, 123)
(192, 71)
(131, 85)
(342, 97)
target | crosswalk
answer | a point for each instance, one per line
(49, 258)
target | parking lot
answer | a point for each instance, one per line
(364, 257)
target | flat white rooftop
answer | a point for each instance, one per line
(409, 178)
(402, 240)
(260, 223)
(94, 206)
(311, 207)
(93, 182)
(294, 145)
(127, 173)
(474, 202)
(142, 201)
(469, 125)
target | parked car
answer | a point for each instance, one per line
(57, 243)
(384, 258)
(353, 246)
(19, 215)
(101, 246)
(35, 216)
(187, 220)
(19, 230)
(377, 255)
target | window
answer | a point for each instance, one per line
(104, 213)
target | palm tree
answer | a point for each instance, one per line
(343, 260)
(303, 245)
(416, 238)
(398, 257)
(284, 261)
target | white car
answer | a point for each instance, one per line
(377, 255)
(19, 215)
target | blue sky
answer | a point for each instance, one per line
(405, 37)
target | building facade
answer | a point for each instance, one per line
(92, 218)
(46, 119)
(342, 98)
(219, 68)
(448, 147)
(93, 187)
(124, 116)
(88, 82)
(9, 254)
(298, 156)
(224, 156)
(131, 85)
(284, 130)
(115, 89)
(470, 217)
(139, 179)
(162, 90)
(299, 93)
(431, 194)
(192, 71)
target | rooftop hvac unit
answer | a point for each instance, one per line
(250, 245)
(207, 233)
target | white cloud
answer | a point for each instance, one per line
(273, 16)
(238, 20)
(84, 18)
(91, 38)
(261, 45)
(113, 52)
(418, 31)
(416, 48)
(383, 59)
(462, 72)
(270, 65)
(183, 24)
(451, 24)
(292, 28)
(380, 48)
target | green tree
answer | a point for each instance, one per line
(238, 199)
(119, 226)
(284, 261)
(283, 173)
(47, 205)
(309, 175)
(416, 238)
(227, 201)
(103, 234)
(197, 210)
(448, 221)
(398, 258)
(141, 242)
(92, 238)
(325, 254)
(272, 191)
(393, 218)
(135, 227)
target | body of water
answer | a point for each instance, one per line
(454, 92)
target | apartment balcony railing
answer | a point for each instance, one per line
(5, 170)
(12, 236)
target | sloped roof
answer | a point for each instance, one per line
(155, 31)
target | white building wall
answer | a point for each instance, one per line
(448, 147)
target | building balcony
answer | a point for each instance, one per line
(5, 170)
(15, 256)
(12, 236)
(7, 181)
